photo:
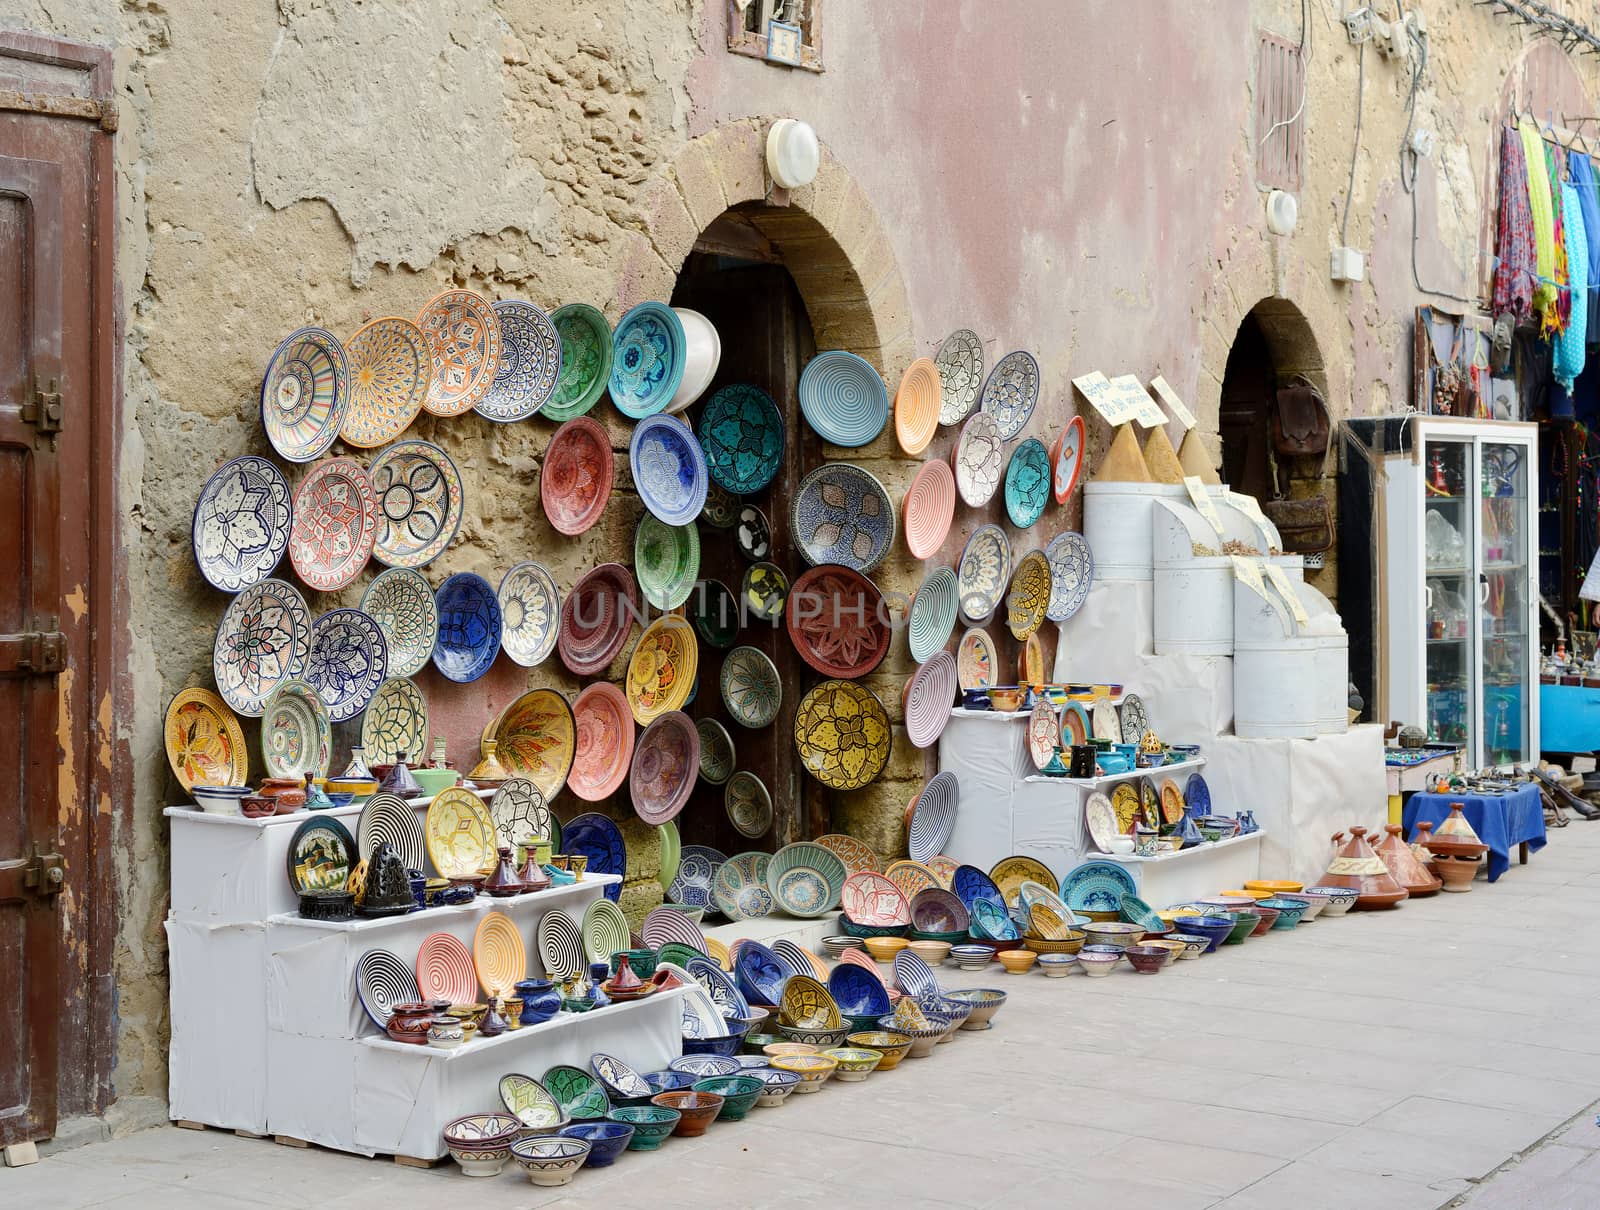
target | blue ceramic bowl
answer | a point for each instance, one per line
(341, 800)
(668, 1081)
(607, 1140)
(779, 1084)
(726, 1045)
(1289, 911)
(1214, 929)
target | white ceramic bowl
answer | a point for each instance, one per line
(219, 800)
(702, 355)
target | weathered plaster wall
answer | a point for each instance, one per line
(1077, 179)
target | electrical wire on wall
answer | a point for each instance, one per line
(1304, 51)
(1355, 150)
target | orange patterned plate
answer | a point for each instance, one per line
(916, 406)
(855, 855)
(662, 669)
(874, 900)
(1171, 801)
(205, 745)
(911, 877)
(1030, 661)
(604, 744)
(975, 660)
(535, 738)
(944, 869)
(463, 338)
(460, 834)
(498, 954)
(390, 370)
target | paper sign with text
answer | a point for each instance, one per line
(1180, 411)
(1104, 398)
(1285, 586)
(1203, 504)
(1141, 406)
(1248, 572)
(1248, 506)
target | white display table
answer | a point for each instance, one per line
(1193, 873)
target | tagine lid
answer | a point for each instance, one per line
(1403, 864)
(1455, 835)
(1356, 867)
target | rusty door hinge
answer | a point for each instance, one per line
(39, 652)
(45, 873)
(44, 410)
(54, 105)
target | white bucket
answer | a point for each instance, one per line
(1116, 521)
(1194, 608)
(1275, 689)
(1333, 683)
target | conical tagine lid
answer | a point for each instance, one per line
(1403, 864)
(1356, 867)
(1455, 835)
(1124, 460)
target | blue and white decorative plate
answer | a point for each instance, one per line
(739, 887)
(705, 1067)
(1071, 574)
(596, 837)
(697, 866)
(669, 469)
(971, 884)
(960, 365)
(349, 659)
(1197, 796)
(262, 641)
(648, 351)
(469, 627)
(620, 1079)
(759, 974)
(724, 991)
(530, 363)
(1011, 391)
(983, 572)
(304, 394)
(843, 398)
(530, 613)
(1096, 886)
(914, 976)
(241, 523)
(1028, 483)
(401, 602)
(842, 514)
(858, 992)
(741, 431)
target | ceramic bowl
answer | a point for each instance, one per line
(433, 781)
(1289, 911)
(850, 928)
(1097, 964)
(668, 1081)
(550, 1160)
(837, 945)
(359, 788)
(481, 1142)
(1269, 919)
(1244, 893)
(696, 1110)
(883, 949)
(1099, 917)
(985, 1002)
(1112, 932)
(932, 952)
(1070, 944)
(922, 1040)
(814, 1070)
(1175, 948)
(725, 1045)
(891, 1046)
(1336, 900)
(1245, 922)
(1272, 887)
(651, 1124)
(779, 1050)
(1148, 959)
(1193, 944)
(607, 1140)
(856, 1063)
(1314, 904)
(221, 800)
(1017, 962)
(738, 1094)
(972, 957)
(778, 1086)
(1226, 903)
(822, 1039)
(1005, 698)
(1058, 966)
(1215, 927)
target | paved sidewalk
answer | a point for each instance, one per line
(1386, 1061)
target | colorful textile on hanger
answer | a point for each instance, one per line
(1514, 250)
(1587, 184)
(1571, 345)
(1544, 292)
(1563, 306)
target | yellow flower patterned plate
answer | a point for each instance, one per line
(841, 731)
(535, 737)
(1009, 873)
(460, 834)
(662, 669)
(205, 744)
(1029, 596)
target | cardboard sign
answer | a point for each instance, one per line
(1248, 573)
(1291, 598)
(1203, 504)
(1139, 403)
(1104, 398)
(1180, 411)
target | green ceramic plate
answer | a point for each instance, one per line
(666, 560)
(677, 953)
(717, 757)
(585, 361)
(671, 851)
(714, 610)
(605, 930)
(577, 1092)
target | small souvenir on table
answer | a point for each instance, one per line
(843, 398)
(575, 480)
(262, 641)
(530, 363)
(390, 371)
(930, 506)
(242, 523)
(1010, 392)
(463, 340)
(960, 365)
(917, 405)
(469, 627)
(304, 394)
(401, 602)
(586, 353)
(420, 503)
(842, 514)
(647, 361)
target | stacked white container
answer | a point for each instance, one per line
(1275, 689)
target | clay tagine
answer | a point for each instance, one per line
(532, 875)
(489, 772)
(1356, 867)
(399, 780)
(1456, 851)
(505, 880)
(1403, 864)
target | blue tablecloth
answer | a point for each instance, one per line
(1501, 820)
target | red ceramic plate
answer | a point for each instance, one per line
(445, 970)
(576, 480)
(1067, 460)
(930, 506)
(335, 523)
(596, 618)
(837, 621)
(665, 765)
(604, 741)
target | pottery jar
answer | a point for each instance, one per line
(540, 1000)
(410, 1022)
(445, 1033)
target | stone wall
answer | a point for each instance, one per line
(1075, 179)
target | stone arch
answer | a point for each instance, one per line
(832, 241)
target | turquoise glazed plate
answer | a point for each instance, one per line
(1028, 483)
(741, 431)
(1096, 886)
(647, 360)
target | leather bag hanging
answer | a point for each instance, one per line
(1306, 526)
(1299, 423)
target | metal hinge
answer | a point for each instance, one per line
(39, 652)
(44, 410)
(54, 105)
(45, 873)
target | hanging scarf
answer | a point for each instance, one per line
(1514, 251)
(1563, 308)
(1544, 292)
(1571, 345)
(1588, 187)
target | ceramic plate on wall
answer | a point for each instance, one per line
(1067, 460)
(530, 363)
(842, 514)
(837, 621)
(917, 405)
(1197, 795)
(930, 506)
(530, 613)
(666, 560)
(933, 613)
(671, 846)
(669, 469)
(519, 811)
(647, 358)
(390, 370)
(843, 398)
(585, 360)
(469, 627)
(934, 817)
(262, 641)
(304, 394)
(241, 523)
(741, 431)
(717, 756)
(395, 722)
(662, 669)
(560, 946)
(382, 981)
(575, 480)
(751, 688)
(597, 837)
(320, 855)
(665, 765)
(1075, 728)
(463, 339)
(1027, 483)
(929, 694)
(697, 866)
(348, 661)
(721, 509)
(1029, 597)
(205, 744)
(841, 732)
(604, 742)
(296, 736)
(984, 571)
(1106, 723)
(975, 660)
(535, 737)
(596, 619)
(748, 804)
(960, 365)
(420, 502)
(753, 532)
(1010, 392)
(1125, 805)
(335, 523)
(1044, 732)
(401, 602)
(460, 835)
(1071, 574)
(805, 879)
(389, 819)
(714, 611)
(765, 589)
(977, 458)
(702, 355)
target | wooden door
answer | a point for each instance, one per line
(766, 340)
(56, 396)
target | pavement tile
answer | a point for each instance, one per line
(1305, 1186)
(1099, 1193)
(1505, 1130)
(1410, 1157)
(1293, 1097)
(1540, 1181)
(1187, 1166)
